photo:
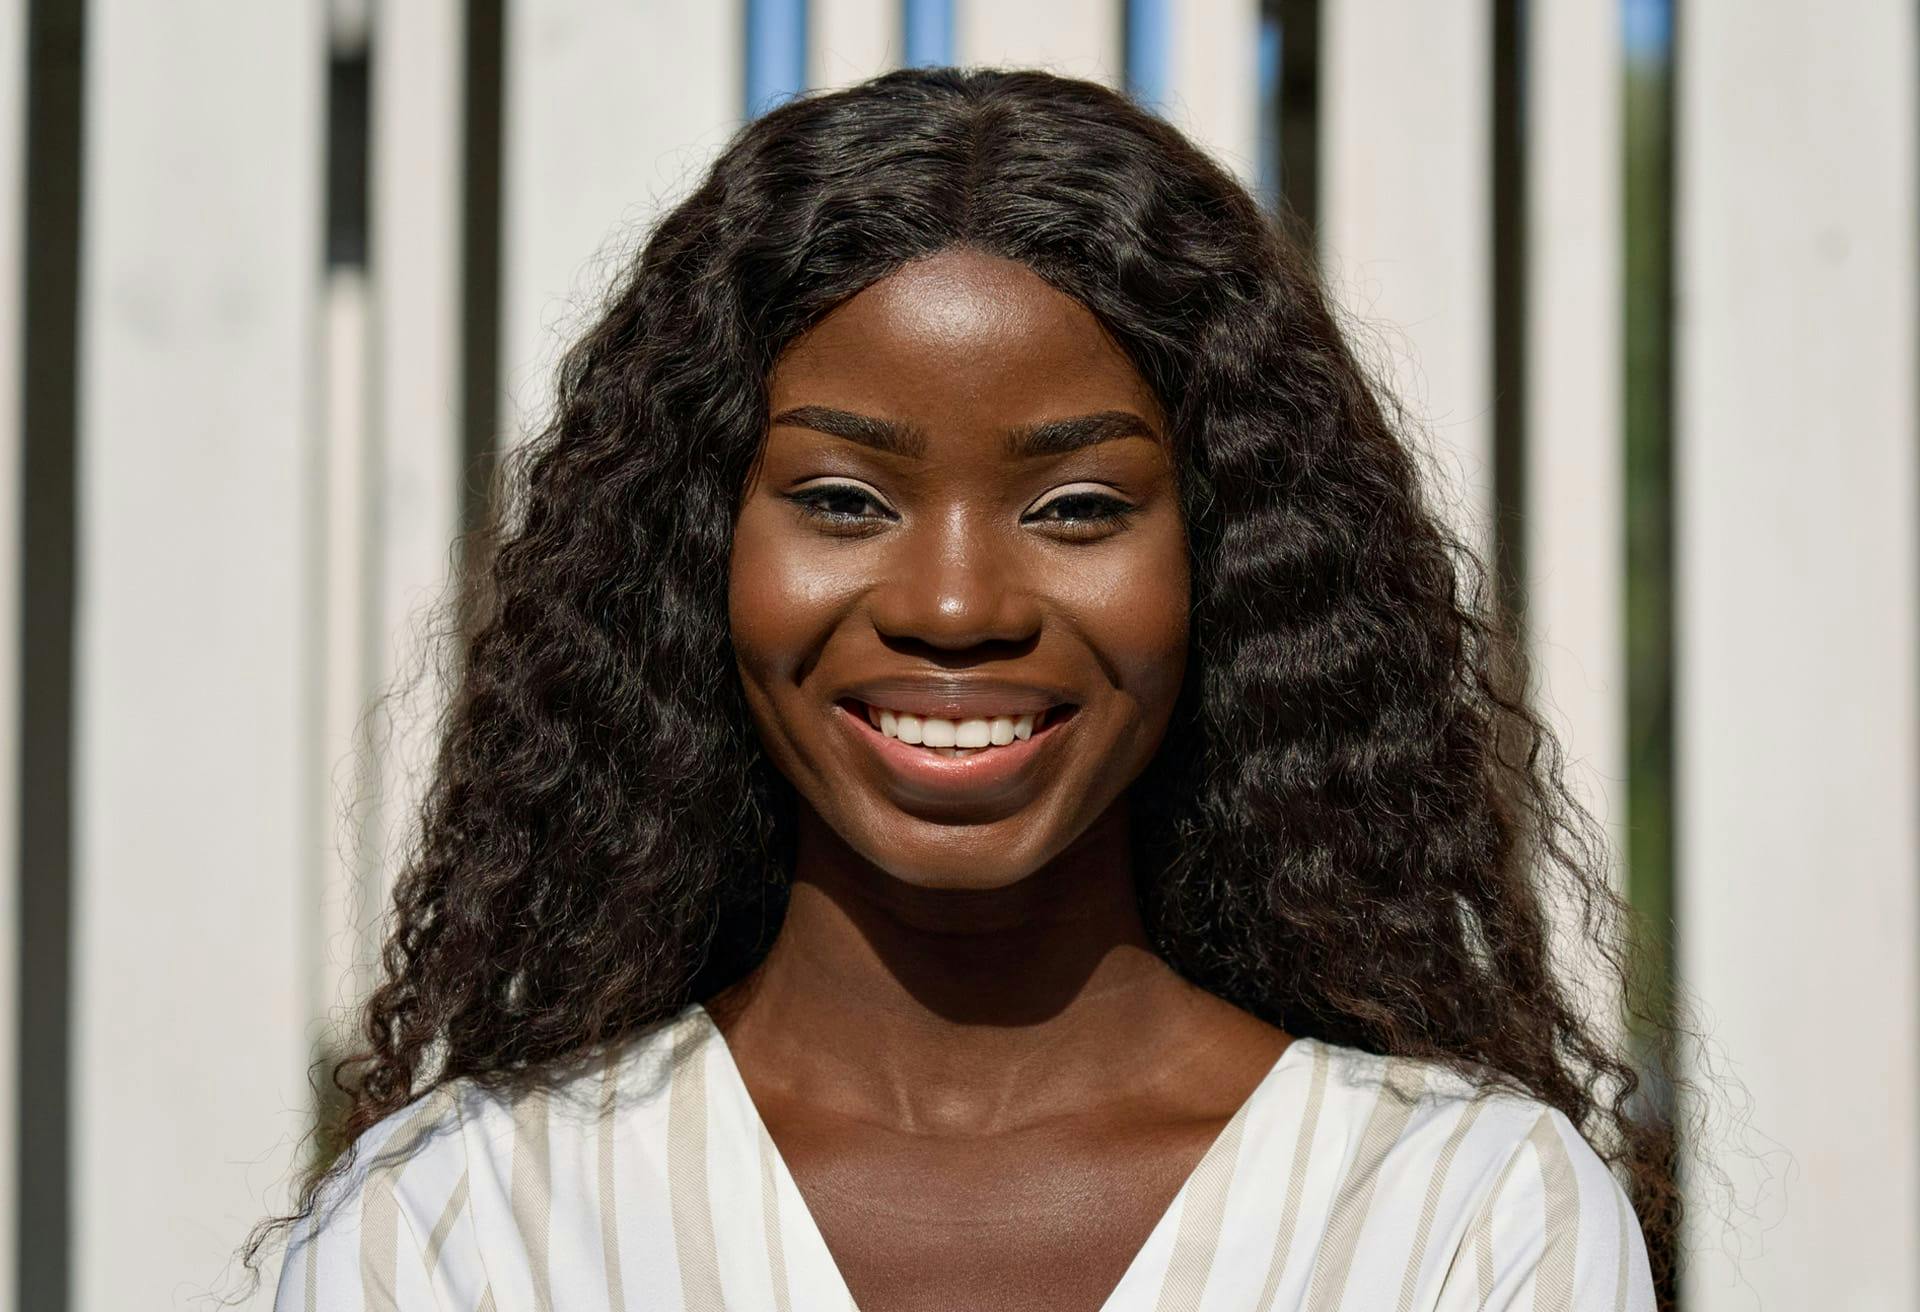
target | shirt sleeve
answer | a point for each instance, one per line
(1555, 1231)
(361, 1249)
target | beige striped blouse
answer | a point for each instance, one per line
(1345, 1180)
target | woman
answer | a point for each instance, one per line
(980, 782)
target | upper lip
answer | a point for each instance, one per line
(955, 697)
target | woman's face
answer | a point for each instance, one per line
(965, 527)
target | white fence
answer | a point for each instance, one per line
(268, 456)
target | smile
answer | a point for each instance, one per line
(953, 738)
(936, 756)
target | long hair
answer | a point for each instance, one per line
(1356, 827)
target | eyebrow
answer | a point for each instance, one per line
(1051, 437)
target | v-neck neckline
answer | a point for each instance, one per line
(1226, 1140)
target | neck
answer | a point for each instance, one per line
(959, 1009)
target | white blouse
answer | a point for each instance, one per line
(1345, 1180)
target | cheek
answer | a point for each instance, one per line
(1134, 613)
(782, 601)
(1155, 614)
(761, 618)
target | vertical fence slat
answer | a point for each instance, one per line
(1798, 541)
(13, 89)
(776, 52)
(343, 548)
(850, 40)
(1213, 87)
(416, 221)
(1575, 518)
(926, 31)
(1405, 201)
(1078, 38)
(613, 111)
(201, 249)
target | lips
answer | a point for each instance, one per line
(947, 774)
(957, 698)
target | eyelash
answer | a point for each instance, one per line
(813, 503)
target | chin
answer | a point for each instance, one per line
(907, 853)
(958, 858)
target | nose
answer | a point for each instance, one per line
(954, 584)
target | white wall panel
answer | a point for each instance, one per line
(1215, 93)
(196, 432)
(344, 549)
(1798, 473)
(851, 40)
(1575, 515)
(1405, 213)
(1076, 38)
(414, 392)
(613, 111)
(13, 87)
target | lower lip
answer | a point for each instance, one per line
(984, 771)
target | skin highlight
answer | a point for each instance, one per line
(962, 1041)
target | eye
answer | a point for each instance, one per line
(1084, 508)
(839, 503)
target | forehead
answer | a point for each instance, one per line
(960, 335)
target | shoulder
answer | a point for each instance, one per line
(1418, 1090)
(1487, 1116)
(469, 1135)
(1480, 1128)
(1516, 1192)
(622, 1087)
(400, 1164)
(375, 1207)
(413, 1202)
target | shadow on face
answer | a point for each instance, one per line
(959, 583)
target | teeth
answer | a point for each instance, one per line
(954, 737)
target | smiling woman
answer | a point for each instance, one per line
(979, 782)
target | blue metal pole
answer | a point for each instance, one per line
(927, 26)
(776, 52)
(1270, 61)
(1150, 50)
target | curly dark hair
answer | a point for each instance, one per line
(1356, 827)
